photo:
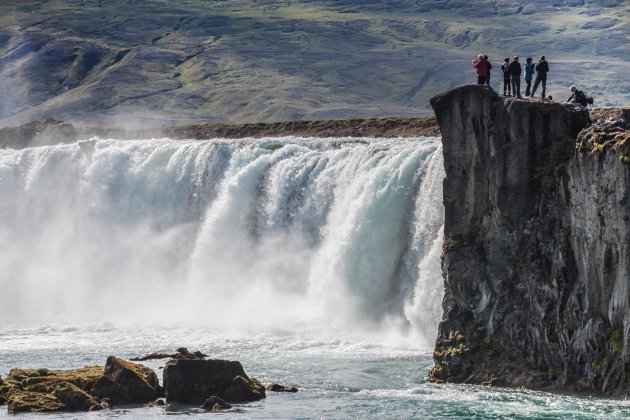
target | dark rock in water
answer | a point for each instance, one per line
(124, 382)
(243, 389)
(215, 404)
(180, 353)
(192, 381)
(536, 245)
(281, 388)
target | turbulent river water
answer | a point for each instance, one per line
(315, 262)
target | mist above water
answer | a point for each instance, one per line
(323, 234)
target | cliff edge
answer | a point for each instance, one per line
(536, 257)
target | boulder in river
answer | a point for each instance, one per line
(194, 381)
(124, 382)
(215, 404)
(281, 388)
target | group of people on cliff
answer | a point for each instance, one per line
(512, 73)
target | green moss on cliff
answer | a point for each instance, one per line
(554, 156)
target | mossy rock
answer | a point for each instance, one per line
(244, 389)
(84, 377)
(54, 395)
(124, 382)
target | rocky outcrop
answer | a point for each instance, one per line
(281, 388)
(85, 389)
(38, 133)
(44, 390)
(51, 131)
(194, 381)
(126, 383)
(179, 353)
(536, 257)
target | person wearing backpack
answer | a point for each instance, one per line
(506, 77)
(542, 68)
(529, 73)
(515, 77)
(578, 97)
(482, 69)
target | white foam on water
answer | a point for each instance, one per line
(300, 233)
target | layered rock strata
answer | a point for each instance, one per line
(536, 257)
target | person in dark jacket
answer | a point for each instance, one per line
(485, 57)
(506, 77)
(578, 97)
(529, 68)
(542, 68)
(482, 69)
(515, 77)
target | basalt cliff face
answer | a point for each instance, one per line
(536, 257)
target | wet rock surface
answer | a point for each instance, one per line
(85, 389)
(194, 381)
(536, 256)
(179, 353)
(125, 383)
(281, 388)
(215, 404)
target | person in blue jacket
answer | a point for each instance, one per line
(529, 73)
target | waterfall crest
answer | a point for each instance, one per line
(255, 232)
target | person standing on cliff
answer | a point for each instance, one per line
(485, 57)
(506, 77)
(542, 68)
(482, 69)
(515, 77)
(529, 73)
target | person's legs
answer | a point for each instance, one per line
(488, 80)
(513, 80)
(506, 86)
(528, 88)
(536, 83)
(544, 86)
(481, 80)
(517, 81)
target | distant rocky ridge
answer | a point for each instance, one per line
(536, 256)
(51, 131)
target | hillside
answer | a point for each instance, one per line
(120, 61)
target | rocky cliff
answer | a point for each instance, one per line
(536, 257)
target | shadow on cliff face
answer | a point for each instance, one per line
(536, 244)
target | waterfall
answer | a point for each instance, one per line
(268, 232)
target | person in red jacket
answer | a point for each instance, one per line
(482, 69)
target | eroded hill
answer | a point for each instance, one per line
(111, 61)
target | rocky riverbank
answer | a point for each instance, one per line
(536, 256)
(188, 378)
(52, 131)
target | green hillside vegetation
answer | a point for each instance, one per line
(114, 61)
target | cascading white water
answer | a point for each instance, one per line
(336, 233)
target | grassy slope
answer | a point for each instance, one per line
(161, 60)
